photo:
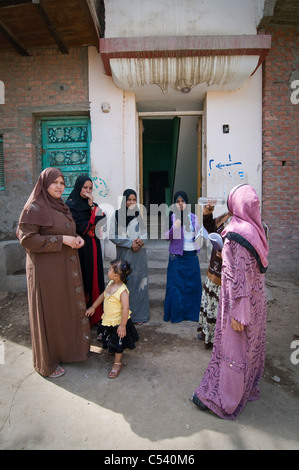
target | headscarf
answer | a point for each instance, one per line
(39, 205)
(181, 194)
(123, 214)
(182, 215)
(246, 222)
(84, 218)
(75, 200)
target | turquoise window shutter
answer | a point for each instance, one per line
(66, 145)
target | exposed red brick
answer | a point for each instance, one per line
(281, 150)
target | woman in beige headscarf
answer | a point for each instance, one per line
(59, 328)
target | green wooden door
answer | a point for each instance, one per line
(65, 145)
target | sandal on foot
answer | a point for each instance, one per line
(59, 372)
(199, 403)
(116, 368)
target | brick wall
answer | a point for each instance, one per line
(281, 150)
(47, 83)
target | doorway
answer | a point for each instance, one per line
(170, 157)
(158, 184)
(159, 154)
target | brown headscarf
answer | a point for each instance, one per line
(37, 210)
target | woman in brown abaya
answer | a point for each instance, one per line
(59, 329)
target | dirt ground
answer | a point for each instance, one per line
(148, 406)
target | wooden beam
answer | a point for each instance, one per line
(13, 3)
(49, 23)
(92, 21)
(13, 40)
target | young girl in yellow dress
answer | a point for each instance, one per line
(117, 328)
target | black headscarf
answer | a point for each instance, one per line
(79, 206)
(182, 215)
(75, 200)
(124, 215)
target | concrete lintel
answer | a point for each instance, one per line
(183, 46)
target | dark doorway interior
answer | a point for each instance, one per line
(158, 181)
(160, 144)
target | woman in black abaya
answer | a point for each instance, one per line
(86, 214)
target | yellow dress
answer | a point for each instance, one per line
(112, 306)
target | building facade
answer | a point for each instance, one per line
(153, 96)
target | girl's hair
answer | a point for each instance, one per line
(123, 268)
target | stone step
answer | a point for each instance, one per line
(157, 256)
(157, 271)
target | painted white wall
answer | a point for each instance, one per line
(262, 8)
(113, 148)
(239, 153)
(133, 18)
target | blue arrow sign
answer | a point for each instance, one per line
(221, 165)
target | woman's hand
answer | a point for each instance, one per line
(139, 242)
(208, 209)
(237, 326)
(177, 223)
(80, 241)
(135, 247)
(90, 198)
(73, 242)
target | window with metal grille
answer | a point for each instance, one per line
(65, 144)
(2, 181)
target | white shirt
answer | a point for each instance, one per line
(189, 240)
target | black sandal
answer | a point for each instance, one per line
(199, 403)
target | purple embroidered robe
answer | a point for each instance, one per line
(237, 362)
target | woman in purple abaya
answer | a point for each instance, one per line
(237, 362)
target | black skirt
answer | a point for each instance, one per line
(111, 340)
